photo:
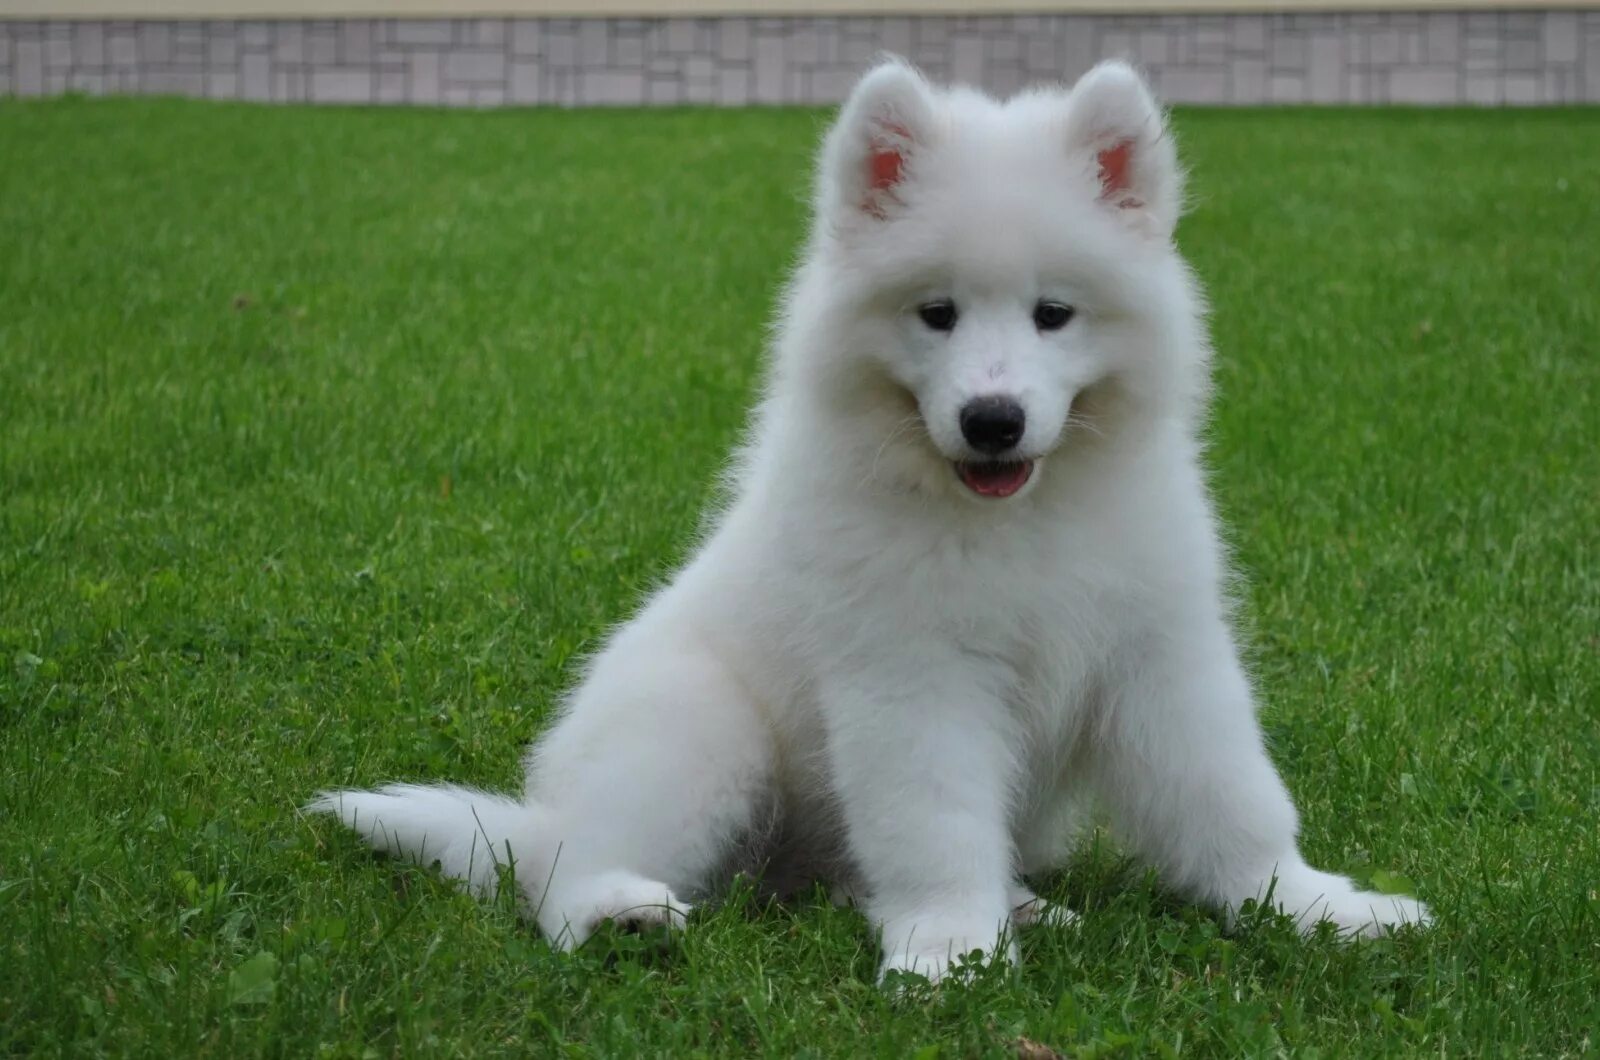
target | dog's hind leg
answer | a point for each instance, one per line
(660, 763)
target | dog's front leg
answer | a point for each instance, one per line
(1181, 765)
(921, 757)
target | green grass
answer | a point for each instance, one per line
(329, 439)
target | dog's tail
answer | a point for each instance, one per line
(471, 834)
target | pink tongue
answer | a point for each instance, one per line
(997, 479)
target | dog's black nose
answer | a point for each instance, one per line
(992, 424)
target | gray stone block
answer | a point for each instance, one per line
(859, 51)
(1040, 58)
(527, 35)
(255, 35)
(90, 82)
(1153, 48)
(802, 47)
(289, 86)
(1116, 43)
(966, 59)
(358, 41)
(1287, 51)
(1004, 50)
(341, 86)
(832, 85)
(697, 90)
(1560, 86)
(1325, 71)
(1078, 51)
(611, 87)
(699, 68)
(667, 90)
(1442, 36)
(1524, 89)
(1195, 84)
(561, 48)
(485, 33)
(1357, 85)
(255, 76)
(733, 87)
(322, 44)
(88, 44)
(288, 42)
(413, 31)
(1211, 45)
(1384, 48)
(1523, 55)
(475, 67)
(733, 39)
(525, 82)
(391, 87)
(173, 83)
(1561, 37)
(1520, 23)
(1249, 82)
(560, 87)
(1286, 88)
(628, 50)
(222, 85)
(155, 43)
(768, 69)
(931, 32)
(188, 42)
(594, 44)
(423, 78)
(680, 35)
(122, 50)
(1481, 90)
(28, 68)
(1424, 85)
(1249, 35)
(222, 45)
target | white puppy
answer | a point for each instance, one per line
(968, 579)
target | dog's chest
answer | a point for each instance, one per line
(1027, 602)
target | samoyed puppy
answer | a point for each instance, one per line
(967, 583)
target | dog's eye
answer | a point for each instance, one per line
(939, 315)
(1052, 316)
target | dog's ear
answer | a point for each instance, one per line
(872, 149)
(1116, 126)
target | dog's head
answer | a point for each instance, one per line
(1004, 272)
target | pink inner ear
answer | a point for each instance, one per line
(885, 168)
(1115, 162)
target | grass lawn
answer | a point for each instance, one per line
(330, 439)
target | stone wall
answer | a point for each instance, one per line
(1487, 58)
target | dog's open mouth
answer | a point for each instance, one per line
(994, 478)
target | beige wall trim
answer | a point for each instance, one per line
(270, 9)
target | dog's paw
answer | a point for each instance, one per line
(933, 951)
(1366, 914)
(1310, 897)
(1028, 909)
(629, 901)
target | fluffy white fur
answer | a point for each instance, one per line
(868, 673)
